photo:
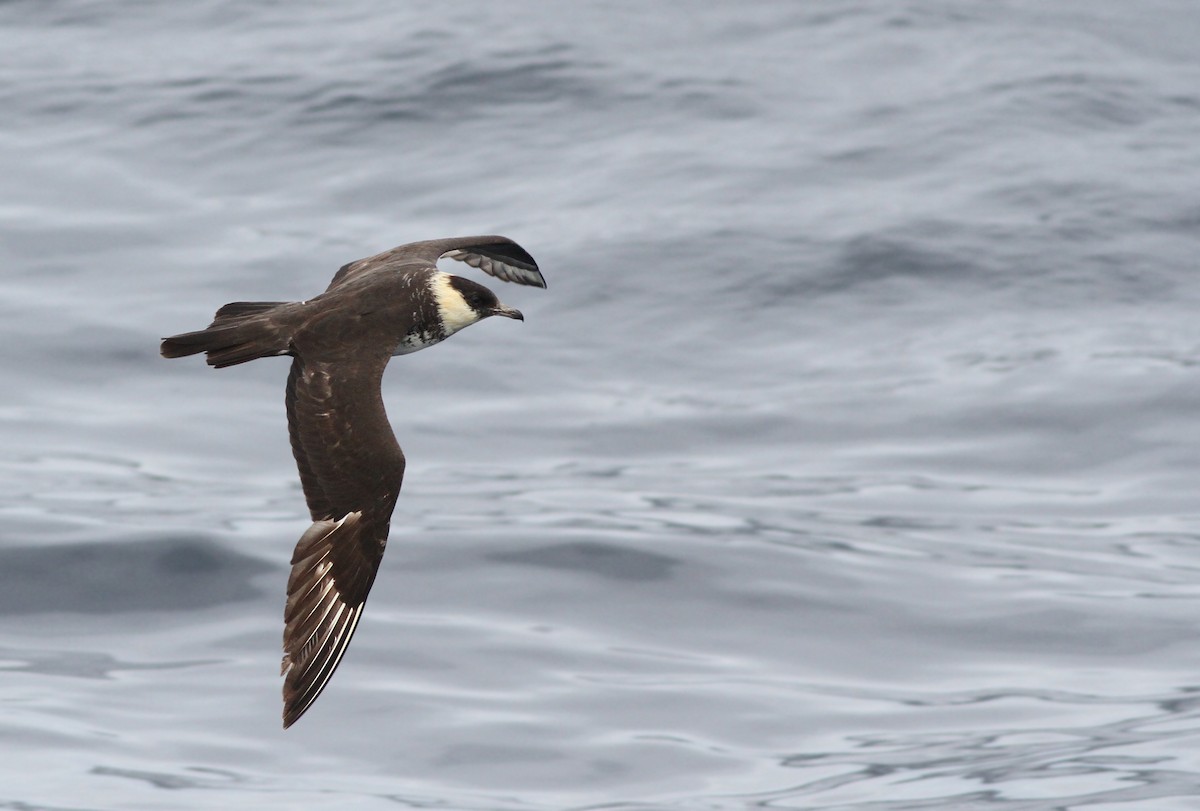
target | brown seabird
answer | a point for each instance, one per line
(350, 464)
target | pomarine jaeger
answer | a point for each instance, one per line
(350, 464)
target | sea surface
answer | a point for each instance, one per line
(850, 461)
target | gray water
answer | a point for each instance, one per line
(848, 462)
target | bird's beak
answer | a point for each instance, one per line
(508, 312)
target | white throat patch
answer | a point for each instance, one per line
(452, 307)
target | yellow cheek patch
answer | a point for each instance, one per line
(452, 307)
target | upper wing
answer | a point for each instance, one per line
(351, 469)
(343, 443)
(495, 255)
(314, 493)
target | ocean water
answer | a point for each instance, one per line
(849, 461)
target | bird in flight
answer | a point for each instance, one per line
(351, 466)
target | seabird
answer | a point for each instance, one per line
(351, 466)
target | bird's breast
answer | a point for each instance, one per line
(418, 340)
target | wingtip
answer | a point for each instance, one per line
(295, 704)
(319, 619)
(292, 707)
(500, 257)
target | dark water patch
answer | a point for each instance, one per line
(717, 100)
(22, 806)
(871, 260)
(403, 104)
(194, 778)
(175, 573)
(93, 354)
(356, 105)
(220, 98)
(712, 275)
(57, 13)
(1074, 101)
(874, 266)
(1063, 631)
(78, 664)
(526, 78)
(603, 560)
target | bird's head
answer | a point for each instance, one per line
(461, 302)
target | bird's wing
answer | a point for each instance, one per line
(502, 258)
(351, 469)
(495, 255)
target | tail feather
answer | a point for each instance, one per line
(241, 331)
(236, 309)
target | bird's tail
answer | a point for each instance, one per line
(241, 331)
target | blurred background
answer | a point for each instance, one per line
(848, 462)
